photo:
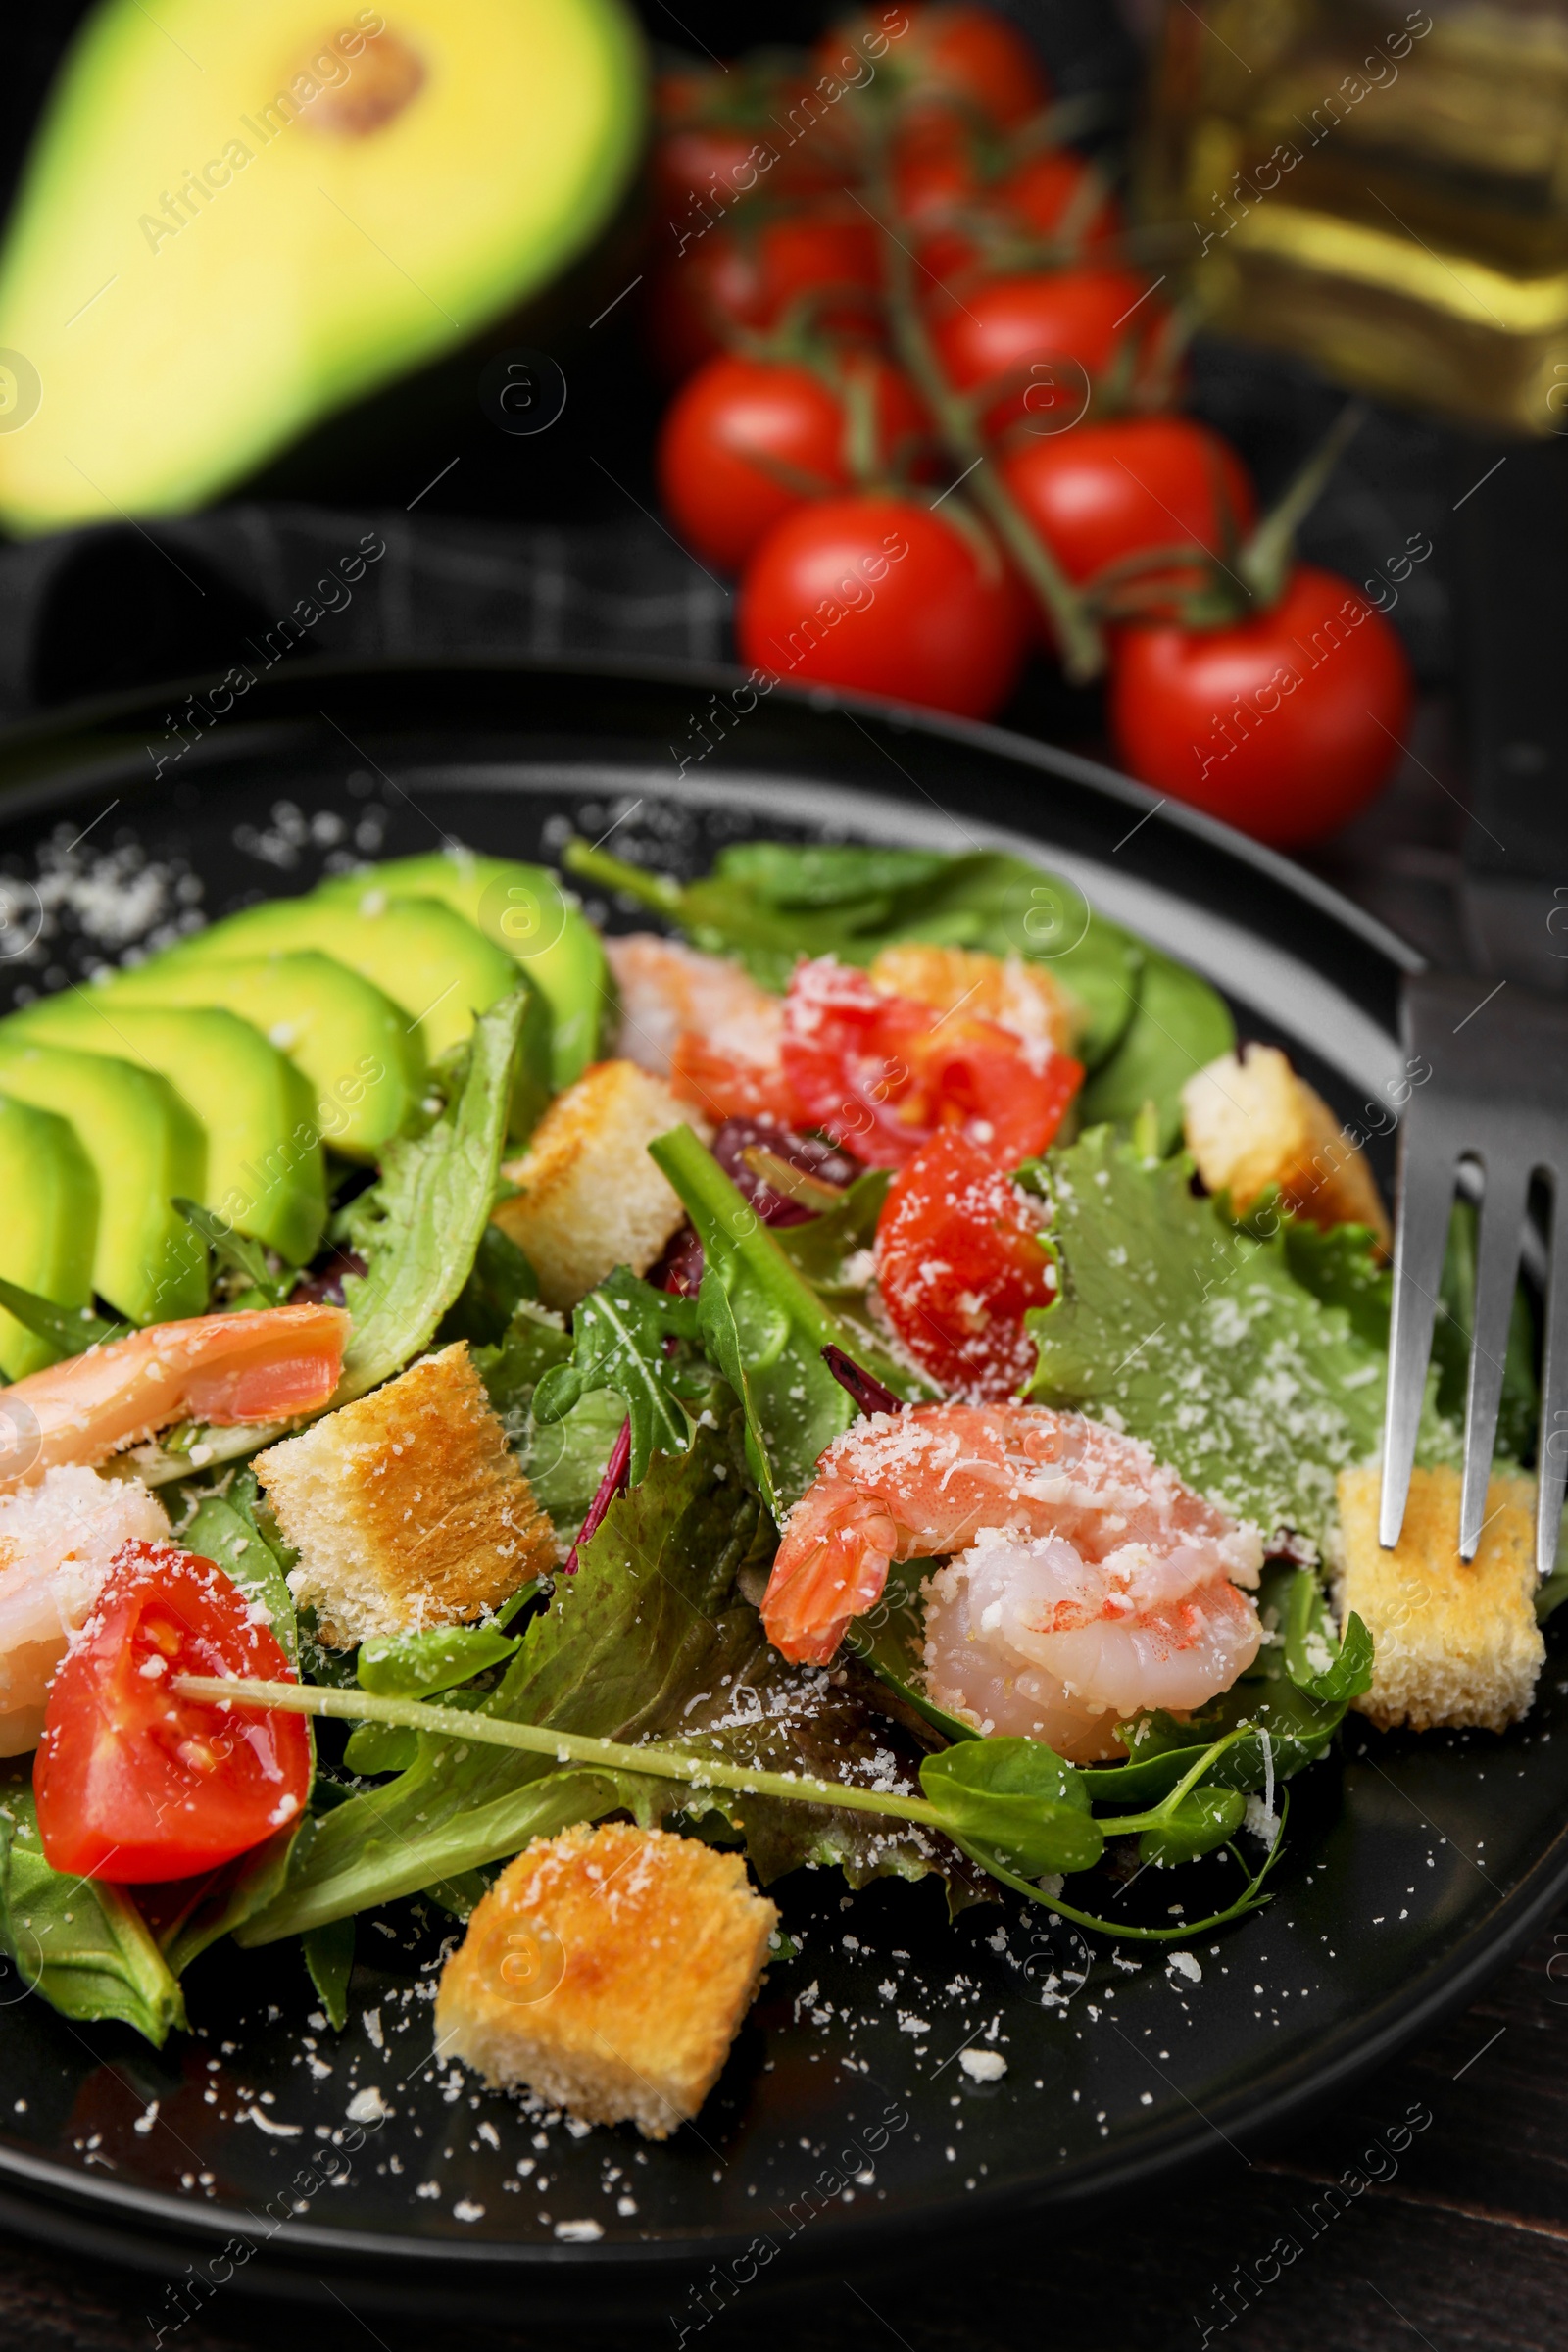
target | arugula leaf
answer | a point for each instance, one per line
(419, 1228)
(70, 1330)
(770, 903)
(1179, 1025)
(649, 1621)
(239, 1254)
(765, 1328)
(1017, 1800)
(1177, 1325)
(330, 1956)
(80, 1942)
(618, 1337)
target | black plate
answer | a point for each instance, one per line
(845, 2121)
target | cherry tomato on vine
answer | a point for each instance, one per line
(1003, 327)
(971, 56)
(963, 215)
(960, 1264)
(1283, 723)
(1098, 493)
(882, 596)
(716, 144)
(747, 441)
(748, 269)
(882, 1074)
(135, 1785)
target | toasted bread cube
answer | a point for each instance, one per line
(1456, 1640)
(608, 1971)
(406, 1508)
(1024, 998)
(592, 1199)
(1251, 1123)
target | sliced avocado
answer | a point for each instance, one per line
(318, 204)
(264, 1172)
(49, 1226)
(539, 922)
(425, 957)
(146, 1145)
(353, 1043)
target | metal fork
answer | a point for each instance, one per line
(1497, 1096)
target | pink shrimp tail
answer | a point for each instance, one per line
(831, 1566)
(264, 1364)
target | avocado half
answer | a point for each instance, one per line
(236, 220)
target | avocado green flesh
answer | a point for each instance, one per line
(147, 1147)
(349, 1041)
(525, 911)
(49, 1225)
(264, 1171)
(427, 959)
(210, 252)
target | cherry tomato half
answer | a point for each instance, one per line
(959, 1263)
(969, 55)
(1098, 493)
(1284, 725)
(134, 1785)
(748, 441)
(882, 1074)
(1003, 329)
(884, 596)
(748, 269)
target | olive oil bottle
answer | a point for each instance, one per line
(1381, 189)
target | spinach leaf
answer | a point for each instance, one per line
(1195, 1335)
(1018, 1801)
(81, 1942)
(765, 1328)
(329, 1957)
(770, 903)
(1179, 1025)
(419, 1226)
(649, 1622)
(415, 1665)
(619, 1333)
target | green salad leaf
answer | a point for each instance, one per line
(417, 1665)
(620, 1334)
(238, 1253)
(329, 1957)
(419, 1226)
(1187, 1330)
(1179, 1025)
(81, 1942)
(499, 1281)
(764, 1327)
(1017, 1800)
(69, 1330)
(649, 1622)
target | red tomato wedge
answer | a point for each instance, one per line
(959, 1263)
(882, 1074)
(134, 1785)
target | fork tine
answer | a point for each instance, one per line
(1552, 1467)
(1502, 1213)
(1426, 1199)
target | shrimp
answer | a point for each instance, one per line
(264, 1364)
(56, 1540)
(1084, 1582)
(702, 1023)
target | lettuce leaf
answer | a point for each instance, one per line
(80, 1942)
(1191, 1332)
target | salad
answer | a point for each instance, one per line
(857, 1373)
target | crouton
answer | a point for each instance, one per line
(1251, 1123)
(592, 1199)
(608, 1970)
(406, 1508)
(1022, 997)
(1456, 1642)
